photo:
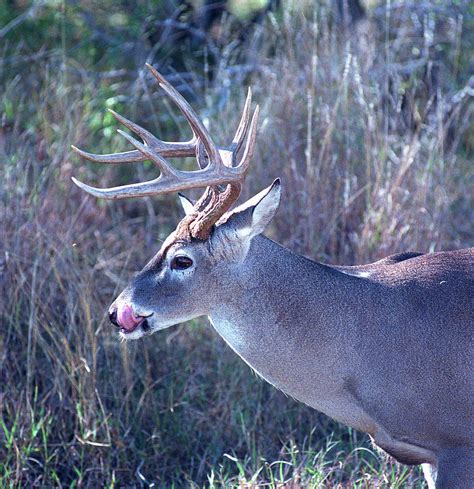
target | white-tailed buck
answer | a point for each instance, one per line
(385, 348)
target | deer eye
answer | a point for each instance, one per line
(181, 262)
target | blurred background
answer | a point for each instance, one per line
(366, 117)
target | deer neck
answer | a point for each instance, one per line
(284, 316)
(257, 300)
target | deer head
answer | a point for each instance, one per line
(182, 280)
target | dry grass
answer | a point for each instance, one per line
(373, 153)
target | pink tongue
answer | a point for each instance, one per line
(126, 318)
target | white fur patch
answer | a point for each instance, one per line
(357, 274)
(230, 334)
(236, 341)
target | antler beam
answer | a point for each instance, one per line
(216, 164)
(171, 179)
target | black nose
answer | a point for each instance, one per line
(113, 317)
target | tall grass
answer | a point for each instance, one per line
(373, 151)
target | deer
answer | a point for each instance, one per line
(385, 347)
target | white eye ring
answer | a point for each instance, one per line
(181, 262)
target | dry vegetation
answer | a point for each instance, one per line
(368, 126)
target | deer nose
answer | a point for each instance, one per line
(125, 318)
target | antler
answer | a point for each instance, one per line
(216, 164)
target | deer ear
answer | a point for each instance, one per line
(186, 204)
(252, 217)
(267, 203)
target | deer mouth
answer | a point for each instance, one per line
(132, 328)
(141, 329)
(145, 326)
(129, 321)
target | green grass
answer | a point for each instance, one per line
(375, 158)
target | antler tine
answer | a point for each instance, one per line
(136, 189)
(250, 145)
(196, 125)
(113, 158)
(151, 154)
(243, 125)
(175, 149)
(140, 131)
(160, 185)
